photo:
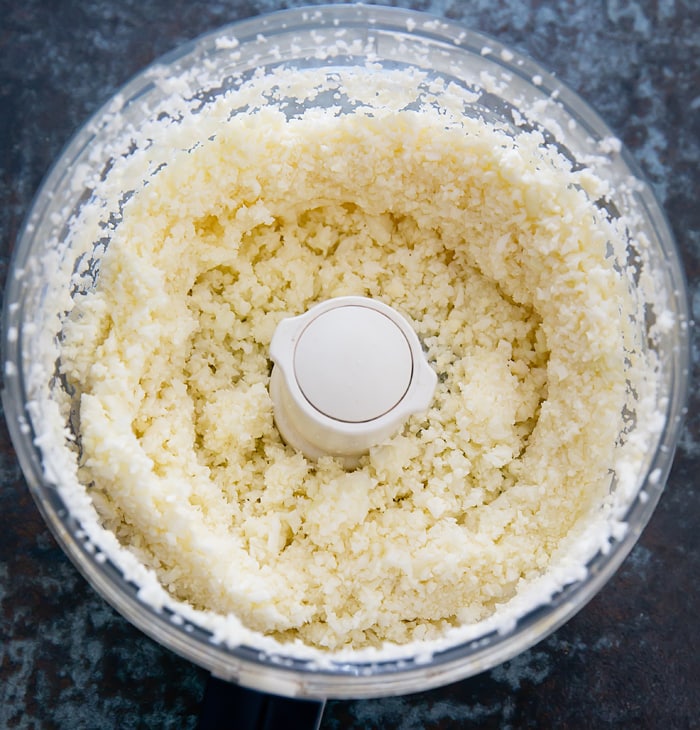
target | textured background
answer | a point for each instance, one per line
(631, 657)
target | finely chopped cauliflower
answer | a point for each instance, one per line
(486, 240)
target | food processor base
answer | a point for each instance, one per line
(231, 706)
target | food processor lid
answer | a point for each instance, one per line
(347, 374)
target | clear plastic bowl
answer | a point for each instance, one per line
(308, 38)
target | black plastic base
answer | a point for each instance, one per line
(228, 706)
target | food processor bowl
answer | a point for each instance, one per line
(495, 83)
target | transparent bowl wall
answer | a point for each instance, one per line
(393, 38)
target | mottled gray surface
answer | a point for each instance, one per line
(630, 658)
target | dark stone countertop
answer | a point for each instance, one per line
(631, 658)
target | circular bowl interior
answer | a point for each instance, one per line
(496, 81)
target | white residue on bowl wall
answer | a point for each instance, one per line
(373, 92)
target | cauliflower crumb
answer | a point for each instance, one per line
(494, 251)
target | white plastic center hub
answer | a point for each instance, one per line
(353, 363)
(347, 374)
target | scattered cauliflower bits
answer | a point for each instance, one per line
(487, 243)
